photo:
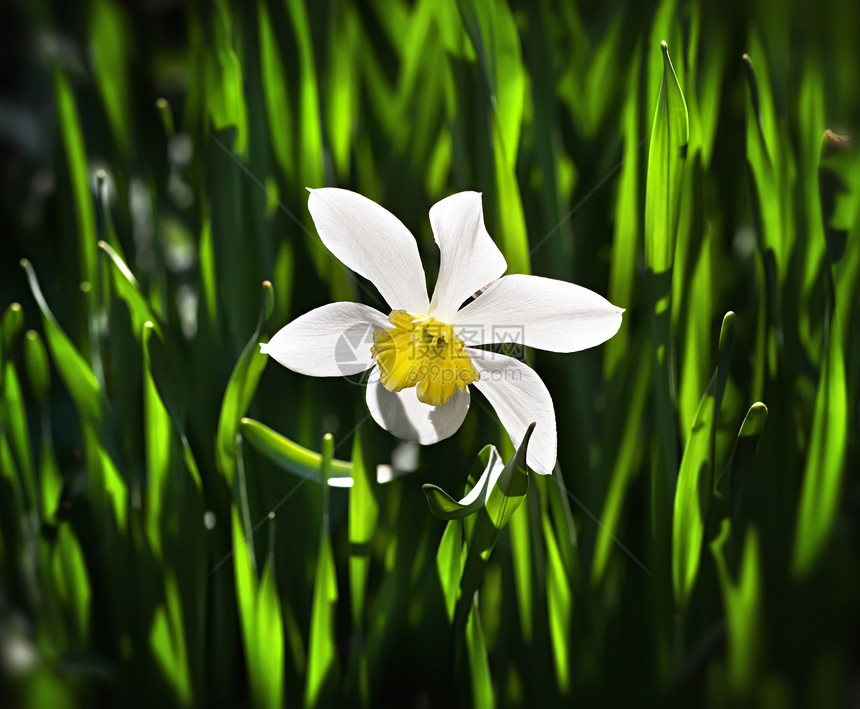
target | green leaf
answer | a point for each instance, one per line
(158, 439)
(109, 48)
(241, 388)
(696, 475)
(450, 560)
(13, 320)
(443, 506)
(479, 666)
(267, 665)
(225, 95)
(128, 289)
(167, 640)
(559, 606)
(493, 33)
(502, 501)
(322, 653)
(292, 457)
(275, 91)
(71, 583)
(363, 518)
(666, 157)
(742, 601)
(742, 453)
(76, 156)
(826, 461)
(13, 419)
(74, 370)
(37, 365)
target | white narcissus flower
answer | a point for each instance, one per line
(422, 354)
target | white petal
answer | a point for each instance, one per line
(331, 341)
(372, 242)
(519, 397)
(470, 259)
(538, 312)
(401, 414)
(488, 479)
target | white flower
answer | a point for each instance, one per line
(423, 355)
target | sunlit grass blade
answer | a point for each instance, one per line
(110, 46)
(629, 454)
(127, 288)
(71, 584)
(73, 368)
(167, 640)
(240, 389)
(493, 33)
(666, 157)
(159, 439)
(743, 604)
(225, 95)
(275, 88)
(732, 480)
(292, 457)
(443, 506)
(322, 653)
(76, 156)
(559, 607)
(363, 518)
(502, 501)
(450, 559)
(695, 477)
(479, 666)
(825, 464)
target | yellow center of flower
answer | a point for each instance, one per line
(424, 353)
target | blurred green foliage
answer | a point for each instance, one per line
(166, 533)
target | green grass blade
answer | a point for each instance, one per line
(291, 456)
(666, 157)
(127, 288)
(363, 519)
(696, 476)
(825, 464)
(322, 652)
(742, 600)
(73, 368)
(241, 388)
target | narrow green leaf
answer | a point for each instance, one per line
(167, 640)
(825, 463)
(363, 517)
(322, 652)
(268, 664)
(479, 666)
(74, 370)
(450, 559)
(559, 607)
(443, 506)
(71, 583)
(696, 475)
(275, 92)
(37, 365)
(109, 48)
(158, 439)
(292, 457)
(742, 601)
(225, 95)
(241, 388)
(502, 501)
(13, 320)
(129, 290)
(76, 156)
(666, 157)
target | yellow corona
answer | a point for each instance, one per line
(422, 352)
